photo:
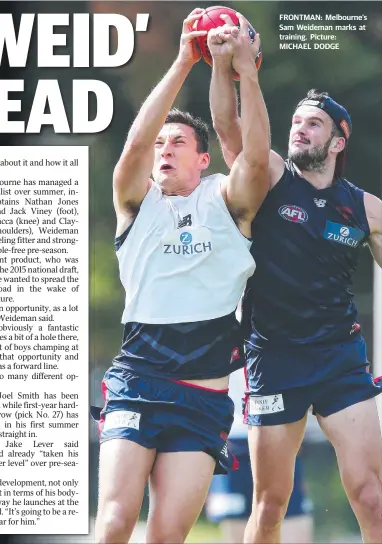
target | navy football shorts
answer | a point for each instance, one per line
(166, 415)
(329, 378)
(230, 497)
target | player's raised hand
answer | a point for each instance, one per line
(245, 50)
(219, 43)
(188, 49)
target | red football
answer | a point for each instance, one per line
(211, 19)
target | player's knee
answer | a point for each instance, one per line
(368, 497)
(165, 531)
(270, 509)
(165, 535)
(113, 524)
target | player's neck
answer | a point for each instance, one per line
(177, 189)
(319, 180)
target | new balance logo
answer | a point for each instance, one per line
(225, 450)
(185, 222)
(320, 202)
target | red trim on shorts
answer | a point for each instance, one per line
(102, 419)
(200, 387)
(236, 463)
(103, 390)
(377, 380)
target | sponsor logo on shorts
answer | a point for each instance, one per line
(123, 419)
(268, 404)
(348, 236)
(225, 450)
(292, 213)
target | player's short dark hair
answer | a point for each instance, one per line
(314, 94)
(200, 127)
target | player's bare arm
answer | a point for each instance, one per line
(247, 183)
(224, 108)
(131, 180)
(223, 96)
(373, 207)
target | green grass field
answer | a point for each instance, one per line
(204, 532)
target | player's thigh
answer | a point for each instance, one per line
(297, 530)
(229, 501)
(273, 451)
(179, 484)
(356, 436)
(124, 469)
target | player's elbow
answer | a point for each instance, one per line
(258, 160)
(259, 175)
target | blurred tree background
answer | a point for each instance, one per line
(352, 75)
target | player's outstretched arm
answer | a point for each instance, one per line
(373, 207)
(131, 175)
(223, 96)
(248, 181)
(224, 103)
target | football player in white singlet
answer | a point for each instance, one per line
(183, 251)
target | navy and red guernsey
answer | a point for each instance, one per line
(306, 243)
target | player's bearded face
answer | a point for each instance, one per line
(310, 137)
(313, 159)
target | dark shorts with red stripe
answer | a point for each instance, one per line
(283, 383)
(165, 415)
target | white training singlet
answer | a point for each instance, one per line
(184, 259)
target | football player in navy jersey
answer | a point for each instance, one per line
(304, 344)
(183, 251)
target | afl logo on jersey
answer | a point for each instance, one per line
(293, 213)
